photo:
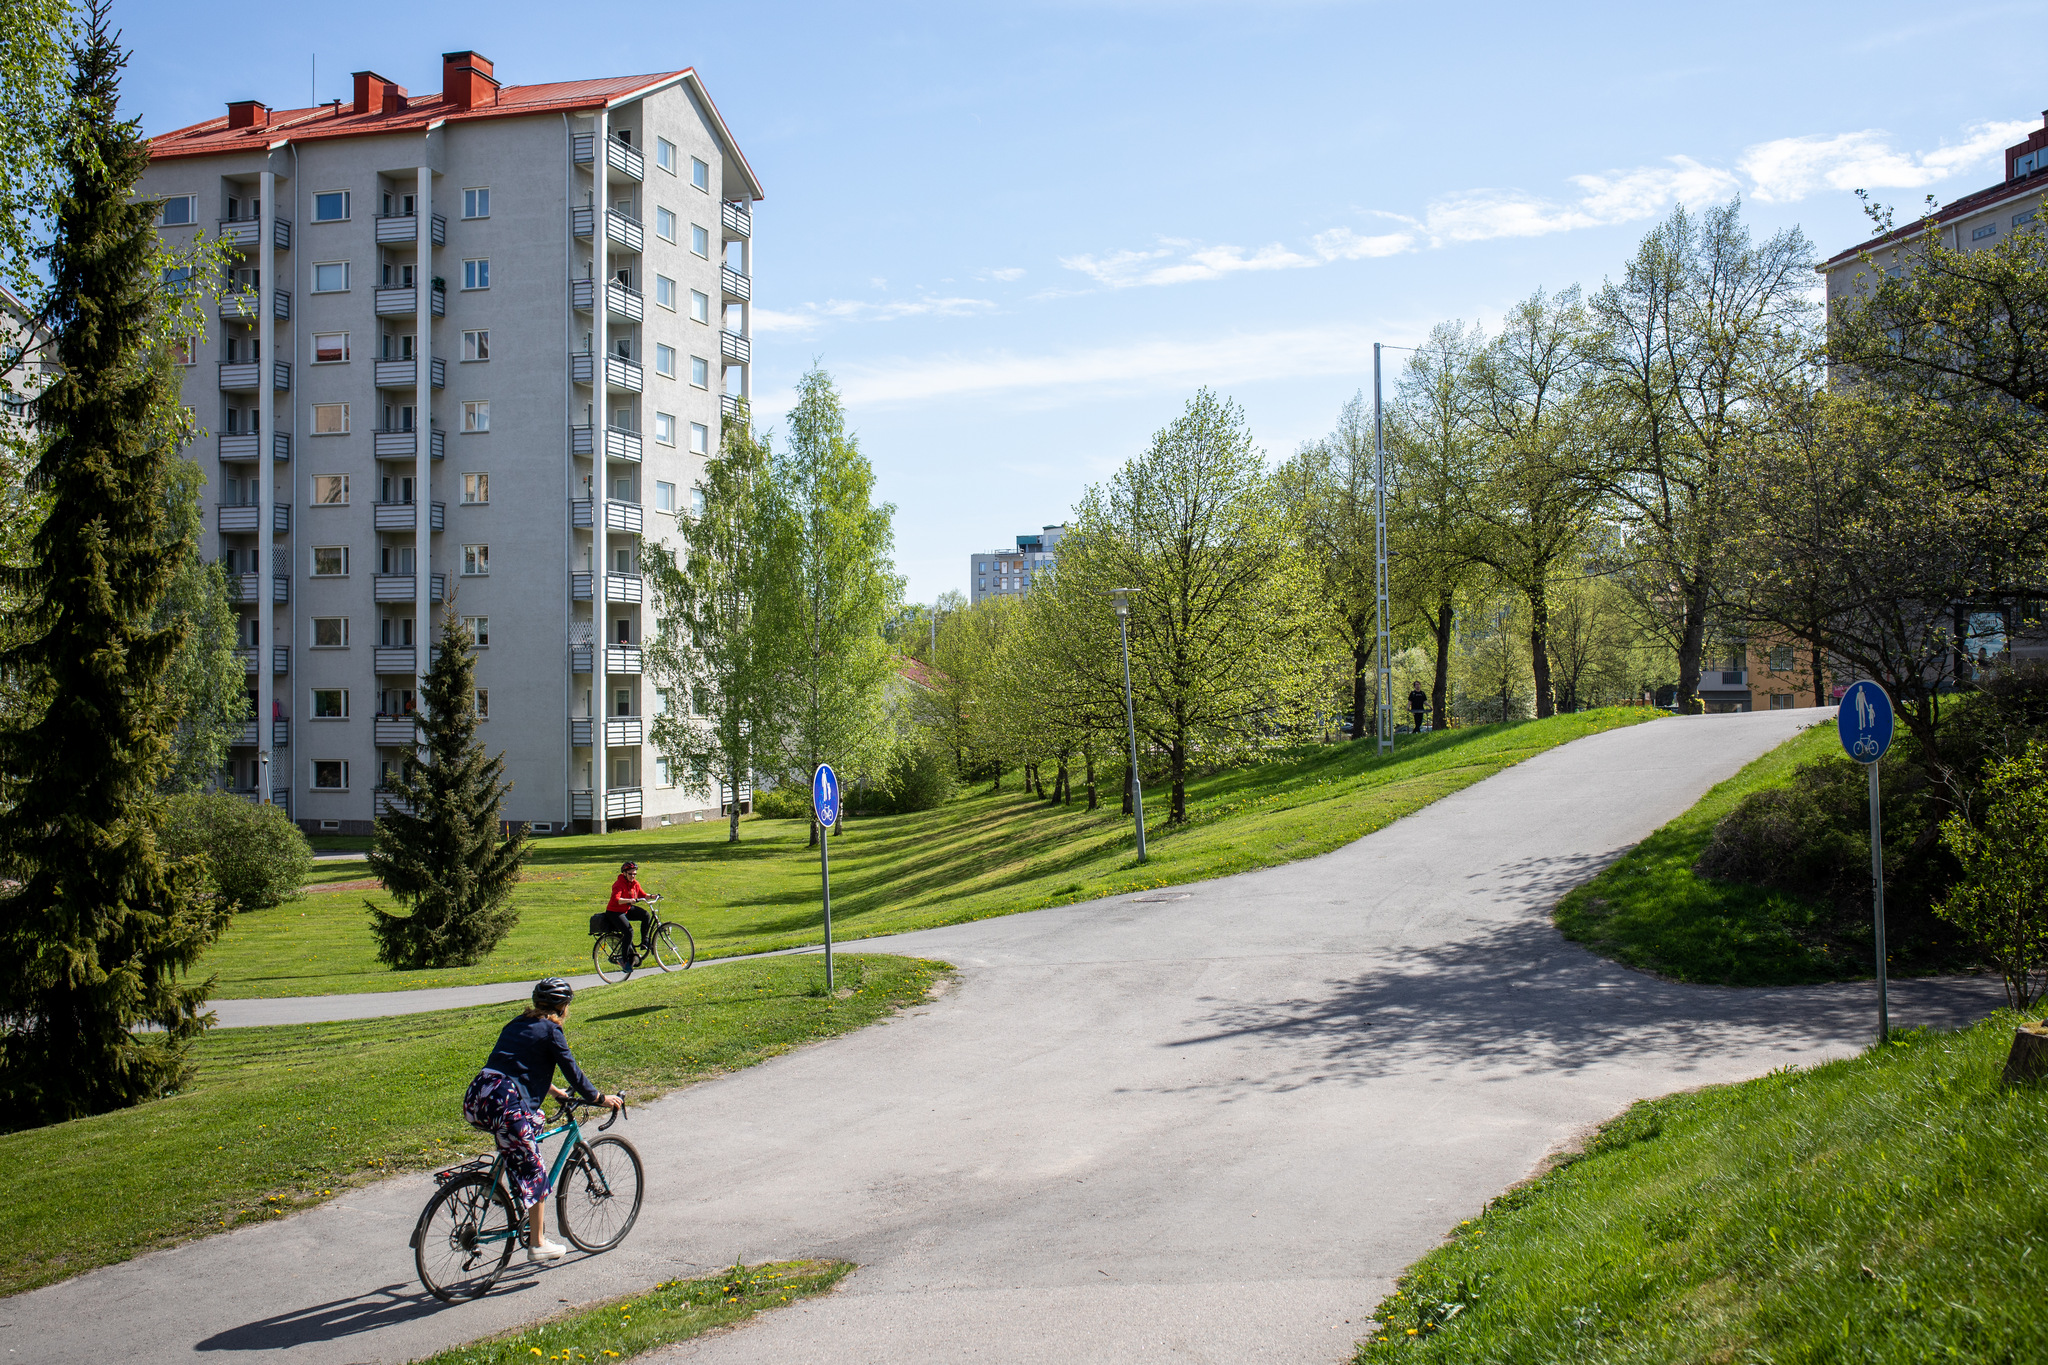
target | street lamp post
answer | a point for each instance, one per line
(263, 796)
(1122, 597)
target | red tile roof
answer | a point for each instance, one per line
(2034, 184)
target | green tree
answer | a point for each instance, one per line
(206, 678)
(723, 621)
(440, 844)
(97, 938)
(37, 149)
(1330, 483)
(1431, 538)
(254, 855)
(2002, 899)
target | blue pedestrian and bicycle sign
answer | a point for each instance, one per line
(1865, 722)
(825, 801)
(825, 793)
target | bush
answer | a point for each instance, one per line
(255, 856)
(920, 778)
(782, 803)
(1810, 837)
(2001, 899)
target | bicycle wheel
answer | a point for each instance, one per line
(599, 1196)
(464, 1238)
(674, 949)
(611, 957)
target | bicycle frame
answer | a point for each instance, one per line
(570, 1126)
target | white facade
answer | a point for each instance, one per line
(1009, 573)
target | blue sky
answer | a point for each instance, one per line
(1021, 235)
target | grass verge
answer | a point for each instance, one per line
(1650, 910)
(620, 1329)
(281, 1118)
(978, 856)
(1884, 1208)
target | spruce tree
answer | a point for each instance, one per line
(101, 928)
(439, 846)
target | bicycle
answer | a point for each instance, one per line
(614, 957)
(466, 1234)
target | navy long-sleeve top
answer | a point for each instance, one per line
(529, 1049)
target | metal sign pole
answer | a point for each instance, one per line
(1884, 1029)
(825, 802)
(1865, 720)
(825, 873)
(1384, 680)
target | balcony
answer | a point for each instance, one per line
(1725, 677)
(243, 588)
(737, 218)
(402, 516)
(622, 658)
(580, 658)
(619, 803)
(405, 374)
(387, 660)
(280, 659)
(398, 587)
(619, 301)
(247, 516)
(619, 372)
(622, 157)
(620, 229)
(404, 444)
(618, 516)
(403, 302)
(395, 731)
(241, 375)
(384, 802)
(242, 305)
(235, 447)
(735, 347)
(618, 587)
(395, 229)
(729, 405)
(247, 232)
(734, 285)
(620, 732)
(280, 735)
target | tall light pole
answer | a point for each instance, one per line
(1122, 597)
(1385, 681)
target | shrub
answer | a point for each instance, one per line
(1811, 836)
(782, 803)
(254, 855)
(920, 778)
(2001, 900)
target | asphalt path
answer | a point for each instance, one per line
(1204, 1124)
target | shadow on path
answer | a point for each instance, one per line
(367, 1312)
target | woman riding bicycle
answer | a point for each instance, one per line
(506, 1097)
(623, 906)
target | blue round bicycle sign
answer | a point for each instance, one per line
(1865, 722)
(825, 793)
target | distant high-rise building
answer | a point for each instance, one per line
(1008, 573)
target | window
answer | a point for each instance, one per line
(700, 241)
(330, 632)
(330, 490)
(476, 561)
(330, 419)
(700, 307)
(1988, 230)
(330, 703)
(483, 703)
(696, 502)
(479, 628)
(661, 771)
(476, 345)
(185, 351)
(665, 223)
(2021, 219)
(330, 561)
(180, 210)
(330, 277)
(700, 372)
(700, 174)
(665, 154)
(330, 206)
(329, 347)
(330, 774)
(665, 428)
(665, 360)
(665, 292)
(1781, 701)
(476, 416)
(476, 203)
(1781, 658)
(476, 274)
(700, 438)
(664, 497)
(476, 488)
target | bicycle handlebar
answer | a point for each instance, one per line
(566, 1101)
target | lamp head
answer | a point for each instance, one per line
(1121, 598)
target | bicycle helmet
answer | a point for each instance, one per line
(553, 993)
(629, 866)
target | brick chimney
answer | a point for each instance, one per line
(376, 95)
(466, 80)
(248, 114)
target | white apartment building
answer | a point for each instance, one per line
(1008, 573)
(476, 349)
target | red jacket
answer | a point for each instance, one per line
(626, 888)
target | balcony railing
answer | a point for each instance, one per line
(618, 587)
(622, 658)
(735, 347)
(247, 516)
(239, 375)
(246, 588)
(729, 405)
(622, 157)
(621, 229)
(580, 657)
(404, 444)
(396, 731)
(1734, 677)
(402, 516)
(280, 735)
(738, 219)
(280, 659)
(402, 301)
(619, 803)
(620, 732)
(405, 374)
(244, 232)
(619, 372)
(396, 229)
(384, 802)
(385, 659)
(618, 516)
(734, 285)
(238, 447)
(242, 305)
(398, 587)
(619, 301)
(619, 443)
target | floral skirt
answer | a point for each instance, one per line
(496, 1104)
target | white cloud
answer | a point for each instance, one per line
(1343, 244)
(1790, 168)
(1007, 274)
(1123, 269)
(813, 315)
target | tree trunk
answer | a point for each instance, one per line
(1178, 755)
(1088, 758)
(732, 830)
(1539, 651)
(1820, 686)
(1361, 655)
(1439, 696)
(814, 831)
(1062, 789)
(1129, 779)
(1691, 645)
(999, 777)
(2028, 1060)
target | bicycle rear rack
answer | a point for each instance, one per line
(480, 1164)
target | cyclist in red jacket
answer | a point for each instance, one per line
(620, 907)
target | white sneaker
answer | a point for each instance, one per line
(546, 1251)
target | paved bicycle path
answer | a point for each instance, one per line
(1211, 1128)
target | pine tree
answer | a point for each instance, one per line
(439, 845)
(99, 934)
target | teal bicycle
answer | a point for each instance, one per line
(467, 1232)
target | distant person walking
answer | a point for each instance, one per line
(1418, 702)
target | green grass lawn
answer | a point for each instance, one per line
(1650, 909)
(1887, 1208)
(978, 856)
(280, 1118)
